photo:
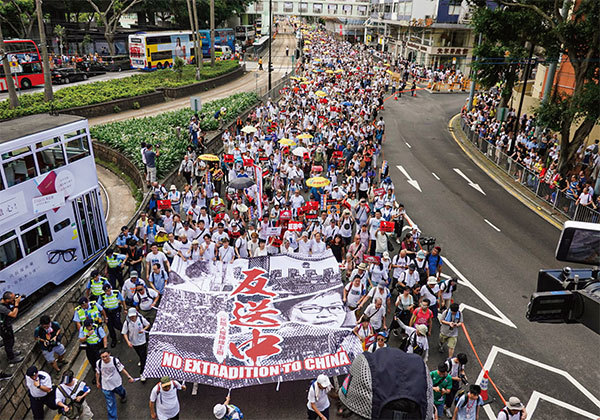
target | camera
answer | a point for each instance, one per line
(17, 296)
(428, 241)
(571, 295)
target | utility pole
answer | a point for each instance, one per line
(270, 38)
(48, 94)
(10, 84)
(472, 89)
(212, 33)
(194, 36)
(198, 39)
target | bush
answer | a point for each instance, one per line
(104, 91)
(136, 105)
(126, 136)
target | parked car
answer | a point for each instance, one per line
(91, 68)
(116, 62)
(67, 75)
(223, 52)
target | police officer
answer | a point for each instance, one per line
(112, 302)
(9, 308)
(94, 288)
(114, 267)
(87, 309)
(94, 338)
(39, 384)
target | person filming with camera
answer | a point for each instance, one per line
(9, 309)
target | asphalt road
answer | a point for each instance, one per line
(501, 261)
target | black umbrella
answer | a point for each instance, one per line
(241, 183)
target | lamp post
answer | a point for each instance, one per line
(270, 38)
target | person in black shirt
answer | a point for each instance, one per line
(9, 308)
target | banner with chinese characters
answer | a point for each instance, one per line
(253, 321)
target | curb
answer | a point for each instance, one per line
(530, 202)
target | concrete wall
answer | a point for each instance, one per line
(108, 154)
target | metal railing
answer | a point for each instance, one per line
(530, 179)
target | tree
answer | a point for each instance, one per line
(502, 51)
(48, 93)
(178, 67)
(60, 32)
(10, 84)
(19, 15)
(578, 37)
(111, 16)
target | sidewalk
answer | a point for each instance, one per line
(517, 190)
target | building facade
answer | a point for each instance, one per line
(434, 33)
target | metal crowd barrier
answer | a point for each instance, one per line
(530, 179)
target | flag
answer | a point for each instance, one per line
(258, 177)
(386, 226)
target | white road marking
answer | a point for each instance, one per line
(409, 146)
(435, 176)
(536, 396)
(409, 179)
(469, 182)
(491, 224)
(500, 317)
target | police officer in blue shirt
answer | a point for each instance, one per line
(113, 303)
(123, 238)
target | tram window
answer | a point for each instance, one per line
(62, 225)
(15, 152)
(37, 237)
(10, 251)
(50, 158)
(19, 170)
(77, 149)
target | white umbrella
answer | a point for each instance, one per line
(249, 129)
(299, 151)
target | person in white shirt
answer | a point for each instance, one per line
(304, 244)
(209, 249)
(261, 251)
(156, 257)
(108, 379)
(318, 401)
(431, 291)
(400, 263)
(317, 246)
(226, 252)
(164, 404)
(376, 314)
(183, 250)
(70, 387)
(408, 277)
(134, 332)
(39, 384)
(241, 245)
(379, 292)
(145, 300)
(354, 292)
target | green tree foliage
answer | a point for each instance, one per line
(576, 34)
(18, 17)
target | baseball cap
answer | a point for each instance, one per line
(131, 312)
(323, 380)
(133, 273)
(421, 254)
(412, 266)
(219, 411)
(165, 380)
(386, 382)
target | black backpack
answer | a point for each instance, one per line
(410, 340)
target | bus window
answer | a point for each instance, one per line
(37, 236)
(77, 148)
(49, 154)
(31, 68)
(20, 169)
(61, 225)
(10, 251)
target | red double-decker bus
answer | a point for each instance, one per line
(26, 63)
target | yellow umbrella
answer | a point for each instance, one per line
(307, 42)
(339, 71)
(304, 136)
(210, 158)
(329, 71)
(287, 142)
(320, 93)
(295, 78)
(318, 182)
(317, 60)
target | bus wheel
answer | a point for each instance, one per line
(159, 66)
(167, 65)
(25, 83)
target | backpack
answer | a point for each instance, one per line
(99, 367)
(75, 407)
(462, 392)
(507, 414)
(411, 341)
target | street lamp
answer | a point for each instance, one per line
(270, 38)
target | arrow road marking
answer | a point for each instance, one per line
(471, 183)
(409, 146)
(490, 223)
(411, 181)
(536, 396)
(435, 176)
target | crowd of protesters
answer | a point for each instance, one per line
(535, 154)
(304, 174)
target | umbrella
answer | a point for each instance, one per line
(329, 71)
(249, 129)
(321, 93)
(318, 182)
(299, 151)
(287, 142)
(318, 70)
(210, 158)
(339, 71)
(241, 183)
(305, 136)
(347, 103)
